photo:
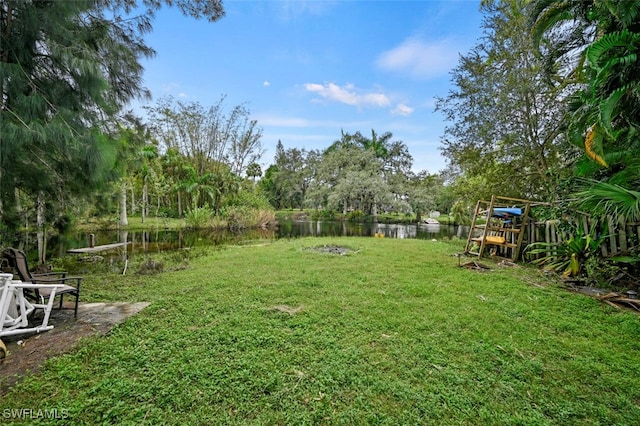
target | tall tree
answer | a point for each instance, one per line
(246, 147)
(270, 188)
(506, 118)
(67, 69)
(254, 171)
(391, 158)
(423, 190)
(217, 143)
(294, 173)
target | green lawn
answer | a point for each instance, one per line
(394, 333)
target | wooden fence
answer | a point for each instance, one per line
(620, 235)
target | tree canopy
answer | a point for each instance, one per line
(68, 68)
(599, 43)
(506, 130)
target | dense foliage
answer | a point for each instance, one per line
(506, 119)
(600, 43)
(68, 68)
(354, 174)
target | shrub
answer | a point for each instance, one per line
(198, 217)
(265, 218)
(328, 215)
(238, 217)
(251, 199)
(356, 216)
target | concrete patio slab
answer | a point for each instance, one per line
(27, 353)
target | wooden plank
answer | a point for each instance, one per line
(622, 234)
(97, 249)
(553, 231)
(520, 200)
(473, 226)
(547, 235)
(612, 235)
(520, 235)
(585, 224)
(486, 229)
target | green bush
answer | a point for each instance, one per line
(251, 199)
(198, 217)
(356, 216)
(237, 217)
(327, 215)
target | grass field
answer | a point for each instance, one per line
(392, 333)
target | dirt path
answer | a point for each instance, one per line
(27, 353)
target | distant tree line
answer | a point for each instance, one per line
(355, 173)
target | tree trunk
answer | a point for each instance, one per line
(123, 237)
(40, 226)
(418, 216)
(133, 201)
(123, 206)
(18, 203)
(145, 199)
(179, 205)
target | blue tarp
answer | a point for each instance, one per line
(507, 211)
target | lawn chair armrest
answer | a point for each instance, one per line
(34, 285)
(61, 274)
(37, 279)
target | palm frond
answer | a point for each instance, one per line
(602, 198)
(607, 109)
(599, 53)
(546, 14)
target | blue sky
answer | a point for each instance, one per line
(308, 69)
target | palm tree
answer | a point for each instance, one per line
(254, 171)
(177, 169)
(379, 145)
(605, 118)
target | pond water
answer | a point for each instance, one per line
(306, 228)
(159, 240)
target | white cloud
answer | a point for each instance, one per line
(348, 94)
(270, 120)
(419, 58)
(266, 83)
(402, 109)
(170, 87)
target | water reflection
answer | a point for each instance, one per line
(160, 240)
(296, 229)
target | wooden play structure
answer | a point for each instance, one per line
(498, 227)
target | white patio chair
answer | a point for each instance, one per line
(15, 308)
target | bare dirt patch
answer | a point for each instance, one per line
(339, 250)
(27, 353)
(287, 309)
